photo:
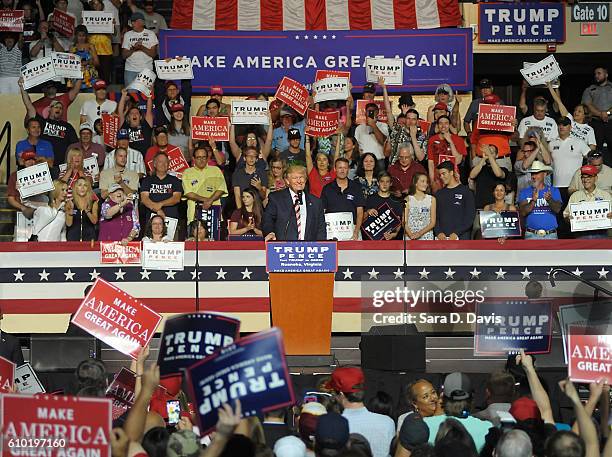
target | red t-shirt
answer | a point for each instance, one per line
(316, 182)
(438, 146)
(42, 105)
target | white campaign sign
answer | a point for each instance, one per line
(556, 83)
(340, 226)
(144, 82)
(540, 73)
(590, 216)
(90, 166)
(174, 69)
(390, 69)
(67, 65)
(331, 89)
(37, 72)
(98, 22)
(34, 180)
(250, 112)
(163, 255)
(26, 380)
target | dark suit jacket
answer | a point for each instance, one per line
(279, 217)
(10, 349)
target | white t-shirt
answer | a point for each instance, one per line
(49, 224)
(110, 8)
(367, 141)
(93, 111)
(583, 132)
(135, 162)
(139, 60)
(548, 125)
(567, 158)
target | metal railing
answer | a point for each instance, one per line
(6, 151)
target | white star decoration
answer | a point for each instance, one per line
(94, 275)
(424, 273)
(144, 274)
(69, 275)
(526, 273)
(501, 274)
(399, 274)
(19, 275)
(603, 274)
(119, 274)
(246, 274)
(348, 274)
(475, 273)
(373, 273)
(450, 273)
(578, 272)
(193, 274)
(44, 276)
(170, 274)
(221, 274)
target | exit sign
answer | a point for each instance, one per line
(589, 29)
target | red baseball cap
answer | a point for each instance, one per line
(347, 380)
(441, 106)
(492, 99)
(590, 170)
(99, 84)
(177, 107)
(524, 408)
(30, 154)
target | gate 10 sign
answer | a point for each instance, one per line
(591, 12)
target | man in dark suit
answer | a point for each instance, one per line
(10, 348)
(293, 214)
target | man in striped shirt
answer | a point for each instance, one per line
(10, 65)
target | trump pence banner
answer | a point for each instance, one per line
(116, 318)
(26, 380)
(375, 227)
(34, 180)
(174, 69)
(192, 337)
(391, 70)
(250, 112)
(98, 21)
(252, 370)
(248, 62)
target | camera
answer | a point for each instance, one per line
(372, 114)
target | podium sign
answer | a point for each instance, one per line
(302, 257)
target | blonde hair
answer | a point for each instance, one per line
(57, 188)
(294, 168)
(83, 203)
(70, 155)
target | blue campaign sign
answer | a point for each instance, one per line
(189, 338)
(252, 370)
(250, 62)
(301, 257)
(537, 22)
(506, 327)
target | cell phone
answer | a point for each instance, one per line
(173, 407)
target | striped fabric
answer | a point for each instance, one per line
(10, 62)
(314, 14)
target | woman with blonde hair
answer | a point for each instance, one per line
(82, 212)
(50, 220)
(276, 175)
(74, 169)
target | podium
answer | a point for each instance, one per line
(302, 293)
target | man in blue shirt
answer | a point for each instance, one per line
(33, 141)
(280, 140)
(539, 204)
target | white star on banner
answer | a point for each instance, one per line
(578, 272)
(305, 37)
(144, 274)
(399, 274)
(325, 37)
(193, 274)
(450, 273)
(501, 274)
(315, 37)
(373, 273)
(526, 273)
(44, 276)
(424, 273)
(348, 274)
(170, 274)
(246, 274)
(297, 37)
(333, 37)
(69, 275)
(19, 275)
(603, 274)
(221, 274)
(475, 273)
(119, 274)
(94, 275)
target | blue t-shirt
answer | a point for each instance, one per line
(477, 428)
(279, 138)
(542, 217)
(43, 148)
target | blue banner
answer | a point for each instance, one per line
(521, 22)
(252, 370)
(189, 338)
(506, 327)
(211, 219)
(251, 62)
(301, 257)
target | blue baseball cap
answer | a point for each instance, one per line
(123, 134)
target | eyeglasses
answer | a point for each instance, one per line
(528, 150)
(199, 157)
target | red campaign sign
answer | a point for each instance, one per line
(496, 117)
(178, 164)
(360, 115)
(110, 127)
(62, 426)
(11, 21)
(322, 124)
(116, 252)
(322, 74)
(424, 126)
(590, 356)
(116, 318)
(293, 94)
(63, 23)
(122, 392)
(210, 128)
(7, 375)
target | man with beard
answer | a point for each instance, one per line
(598, 97)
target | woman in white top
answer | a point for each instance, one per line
(50, 220)
(420, 214)
(156, 230)
(580, 127)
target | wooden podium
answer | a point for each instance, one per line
(302, 306)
